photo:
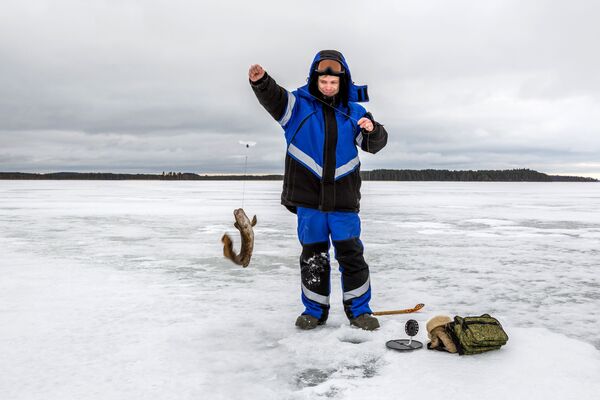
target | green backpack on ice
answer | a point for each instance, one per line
(474, 335)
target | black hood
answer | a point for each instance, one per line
(313, 88)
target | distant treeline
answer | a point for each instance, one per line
(513, 175)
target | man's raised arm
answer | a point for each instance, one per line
(273, 97)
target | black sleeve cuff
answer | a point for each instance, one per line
(261, 81)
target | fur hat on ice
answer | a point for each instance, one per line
(436, 330)
(436, 321)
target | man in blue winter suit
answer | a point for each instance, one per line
(324, 125)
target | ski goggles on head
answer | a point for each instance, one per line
(329, 67)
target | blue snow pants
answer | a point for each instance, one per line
(314, 230)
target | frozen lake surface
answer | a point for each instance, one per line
(119, 290)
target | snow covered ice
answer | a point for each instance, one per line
(119, 290)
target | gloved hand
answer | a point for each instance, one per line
(440, 339)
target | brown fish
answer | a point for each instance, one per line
(243, 224)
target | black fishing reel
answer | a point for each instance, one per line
(411, 328)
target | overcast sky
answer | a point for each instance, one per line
(152, 86)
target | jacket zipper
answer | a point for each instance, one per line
(326, 140)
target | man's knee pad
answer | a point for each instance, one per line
(355, 277)
(349, 254)
(315, 268)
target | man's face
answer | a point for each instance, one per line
(329, 85)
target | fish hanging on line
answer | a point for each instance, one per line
(244, 225)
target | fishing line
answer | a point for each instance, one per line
(247, 145)
(327, 104)
(244, 180)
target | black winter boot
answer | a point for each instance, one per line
(307, 322)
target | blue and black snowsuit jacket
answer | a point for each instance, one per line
(322, 167)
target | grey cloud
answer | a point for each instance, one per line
(124, 85)
(192, 152)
